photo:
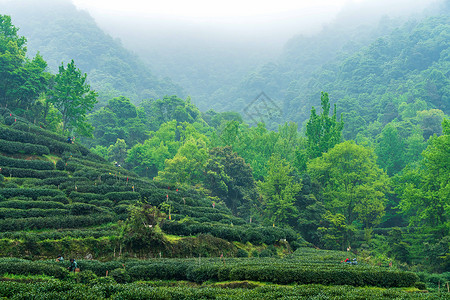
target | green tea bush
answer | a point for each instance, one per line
(79, 209)
(31, 193)
(13, 213)
(31, 173)
(37, 130)
(26, 267)
(64, 179)
(54, 146)
(54, 222)
(285, 274)
(120, 196)
(85, 197)
(20, 204)
(26, 164)
(59, 198)
(85, 277)
(23, 148)
(104, 203)
(120, 275)
(121, 209)
(203, 273)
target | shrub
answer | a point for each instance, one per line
(120, 275)
(12, 147)
(59, 198)
(26, 164)
(104, 203)
(13, 213)
(31, 173)
(25, 267)
(54, 222)
(20, 204)
(31, 193)
(54, 146)
(241, 253)
(120, 196)
(78, 209)
(85, 197)
(85, 277)
(203, 273)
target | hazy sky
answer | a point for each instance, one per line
(249, 20)
(209, 9)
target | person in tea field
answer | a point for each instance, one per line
(73, 265)
(59, 258)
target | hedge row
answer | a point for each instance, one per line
(332, 276)
(31, 173)
(61, 198)
(18, 204)
(31, 193)
(100, 288)
(26, 164)
(14, 213)
(24, 148)
(63, 180)
(26, 267)
(256, 235)
(121, 196)
(31, 138)
(59, 234)
(39, 131)
(174, 269)
(54, 222)
(50, 135)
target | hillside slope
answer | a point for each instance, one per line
(58, 197)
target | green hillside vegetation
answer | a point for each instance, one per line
(170, 199)
(49, 184)
(60, 33)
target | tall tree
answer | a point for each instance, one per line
(425, 191)
(279, 190)
(73, 97)
(352, 184)
(391, 150)
(230, 178)
(322, 131)
(21, 79)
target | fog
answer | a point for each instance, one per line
(237, 34)
(263, 25)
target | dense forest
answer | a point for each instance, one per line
(364, 169)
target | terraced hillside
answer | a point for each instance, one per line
(59, 198)
(306, 274)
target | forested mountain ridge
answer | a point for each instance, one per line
(359, 67)
(60, 32)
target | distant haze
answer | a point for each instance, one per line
(266, 22)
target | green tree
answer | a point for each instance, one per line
(335, 234)
(322, 131)
(390, 150)
(351, 182)
(279, 190)
(187, 167)
(118, 151)
(230, 178)
(73, 97)
(141, 229)
(21, 80)
(425, 191)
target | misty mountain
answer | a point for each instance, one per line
(61, 32)
(363, 68)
